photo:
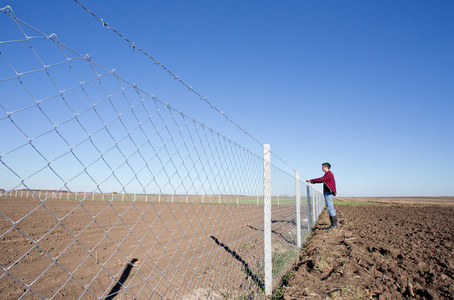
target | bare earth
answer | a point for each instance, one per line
(161, 251)
(392, 251)
(402, 200)
(66, 249)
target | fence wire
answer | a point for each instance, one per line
(107, 192)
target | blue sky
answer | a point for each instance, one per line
(365, 85)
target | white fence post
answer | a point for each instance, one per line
(298, 209)
(309, 218)
(315, 204)
(267, 218)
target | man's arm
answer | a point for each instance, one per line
(318, 180)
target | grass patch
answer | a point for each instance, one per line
(339, 202)
(279, 293)
(279, 261)
(282, 260)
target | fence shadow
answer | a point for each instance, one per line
(249, 273)
(291, 242)
(293, 222)
(116, 288)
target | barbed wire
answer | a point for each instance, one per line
(135, 47)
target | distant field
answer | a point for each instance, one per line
(155, 198)
(344, 202)
(396, 200)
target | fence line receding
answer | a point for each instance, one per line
(108, 192)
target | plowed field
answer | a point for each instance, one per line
(379, 252)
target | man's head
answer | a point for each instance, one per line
(326, 167)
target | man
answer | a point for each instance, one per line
(329, 191)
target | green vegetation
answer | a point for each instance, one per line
(279, 294)
(339, 202)
(280, 260)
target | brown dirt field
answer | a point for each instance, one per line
(64, 249)
(402, 200)
(378, 252)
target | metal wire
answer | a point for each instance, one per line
(108, 192)
(177, 78)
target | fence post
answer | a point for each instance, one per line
(309, 221)
(267, 218)
(298, 209)
(316, 204)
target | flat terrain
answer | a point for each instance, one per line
(390, 251)
(69, 249)
(401, 200)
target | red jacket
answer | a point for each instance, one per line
(328, 179)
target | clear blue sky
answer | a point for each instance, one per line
(365, 85)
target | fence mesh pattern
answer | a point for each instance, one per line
(107, 192)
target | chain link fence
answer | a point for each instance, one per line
(107, 192)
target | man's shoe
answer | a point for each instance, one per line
(333, 220)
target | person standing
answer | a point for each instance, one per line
(329, 191)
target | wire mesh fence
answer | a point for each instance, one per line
(107, 192)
